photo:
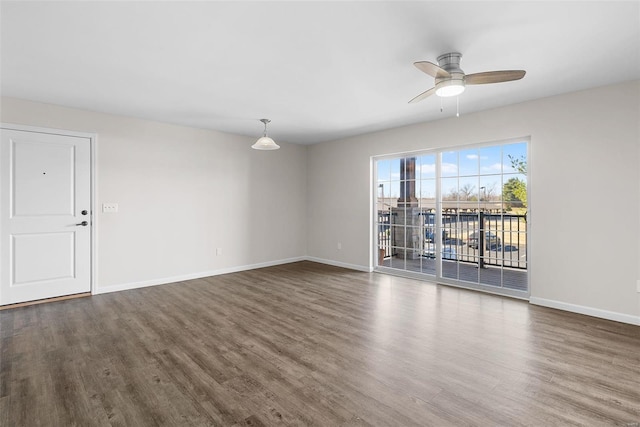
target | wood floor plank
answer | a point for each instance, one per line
(310, 344)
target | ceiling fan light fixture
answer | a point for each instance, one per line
(264, 142)
(452, 87)
(450, 80)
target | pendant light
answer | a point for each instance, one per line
(264, 142)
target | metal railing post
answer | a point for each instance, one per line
(481, 241)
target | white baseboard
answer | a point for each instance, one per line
(589, 311)
(340, 264)
(191, 276)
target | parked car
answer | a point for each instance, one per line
(430, 234)
(448, 252)
(491, 240)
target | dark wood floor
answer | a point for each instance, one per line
(308, 344)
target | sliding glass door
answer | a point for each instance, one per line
(406, 212)
(459, 216)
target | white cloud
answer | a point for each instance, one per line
(430, 168)
(472, 156)
(496, 167)
(449, 168)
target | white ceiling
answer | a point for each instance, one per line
(319, 70)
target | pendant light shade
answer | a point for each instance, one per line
(264, 142)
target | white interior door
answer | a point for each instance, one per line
(45, 214)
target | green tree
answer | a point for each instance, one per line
(515, 190)
(518, 163)
(514, 193)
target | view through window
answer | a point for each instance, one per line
(460, 216)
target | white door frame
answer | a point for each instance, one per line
(93, 137)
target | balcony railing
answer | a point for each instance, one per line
(472, 237)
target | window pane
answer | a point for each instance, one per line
(398, 236)
(394, 192)
(468, 188)
(514, 191)
(427, 194)
(469, 162)
(449, 269)
(384, 170)
(490, 160)
(449, 188)
(449, 165)
(395, 169)
(383, 195)
(426, 167)
(490, 192)
(514, 158)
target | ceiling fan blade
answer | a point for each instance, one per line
(493, 77)
(432, 69)
(423, 95)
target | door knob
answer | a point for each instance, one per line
(83, 223)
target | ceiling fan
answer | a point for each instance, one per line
(451, 80)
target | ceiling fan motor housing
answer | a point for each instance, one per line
(454, 83)
(450, 62)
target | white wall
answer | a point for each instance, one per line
(182, 193)
(584, 182)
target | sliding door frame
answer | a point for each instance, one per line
(438, 277)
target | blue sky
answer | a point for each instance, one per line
(475, 167)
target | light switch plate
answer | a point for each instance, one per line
(109, 208)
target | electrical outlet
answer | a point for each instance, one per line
(109, 208)
(218, 251)
(638, 285)
(339, 246)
